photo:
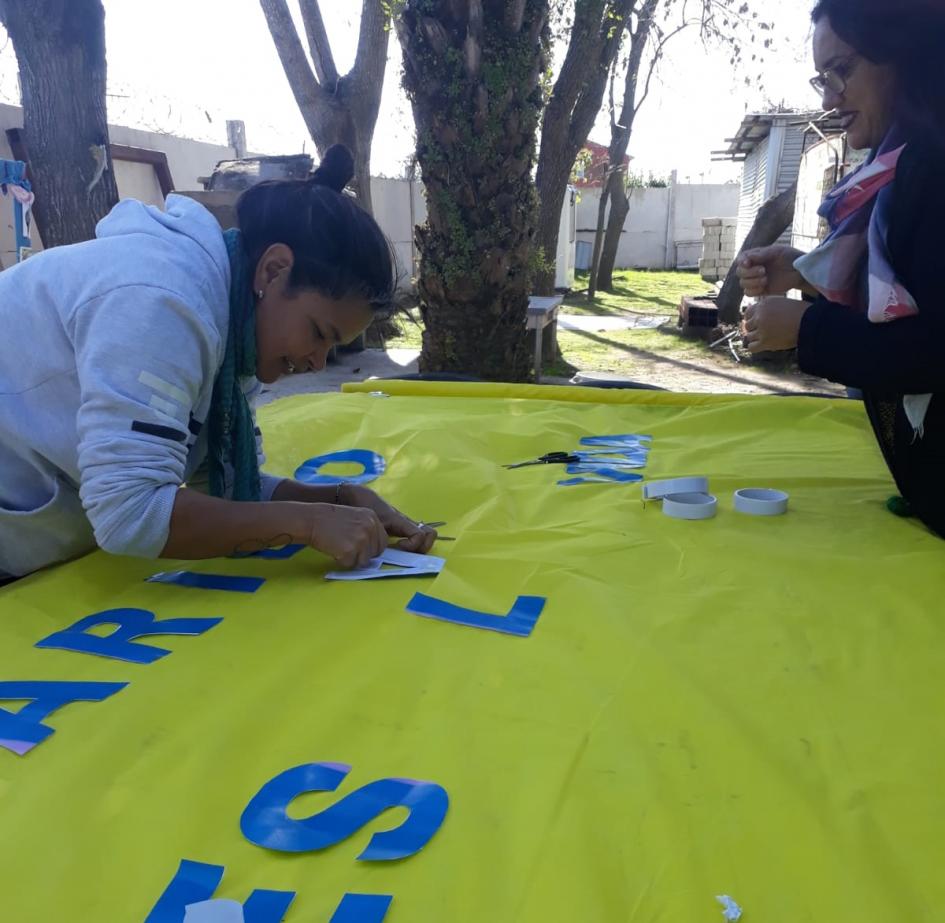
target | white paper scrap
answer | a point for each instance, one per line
(398, 564)
(218, 910)
(731, 911)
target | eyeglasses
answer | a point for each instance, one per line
(835, 78)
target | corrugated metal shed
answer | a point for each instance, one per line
(770, 146)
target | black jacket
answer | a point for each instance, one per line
(904, 356)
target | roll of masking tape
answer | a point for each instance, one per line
(656, 490)
(760, 501)
(694, 505)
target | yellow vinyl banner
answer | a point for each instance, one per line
(744, 709)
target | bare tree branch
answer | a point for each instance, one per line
(595, 35)
(657, 54)
(638, 43)
(306, 89)
(611, 104)
(373, 41)
(318, 45)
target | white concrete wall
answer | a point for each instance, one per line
(392, 208)
(399, 205)
(186, 159)
(189, 160)
(567, 240)
(658, 216)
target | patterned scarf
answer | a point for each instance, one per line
(857, 210)
(232, 460)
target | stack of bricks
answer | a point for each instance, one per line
(718, 248)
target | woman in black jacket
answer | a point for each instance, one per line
(876, 320)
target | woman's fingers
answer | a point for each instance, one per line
(420, 542)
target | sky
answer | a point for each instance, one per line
(186, 66)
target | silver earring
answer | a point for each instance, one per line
(259, 295)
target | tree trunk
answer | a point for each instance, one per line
(620, 132)
(60, 50)
(472, 70)
(619, 209)
(336, 109)
(575, 102)
(551, 192)
(772, 220)
(599, 234)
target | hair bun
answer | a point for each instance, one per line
(336, 169)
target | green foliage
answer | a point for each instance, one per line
(650, 181)
(392, 9)
(581, 164)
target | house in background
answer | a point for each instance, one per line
(824, 164)
(770, 146)
(591, 166)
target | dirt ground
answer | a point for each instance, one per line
(717, 372)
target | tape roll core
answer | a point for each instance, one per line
(761, 501)
(693, 505)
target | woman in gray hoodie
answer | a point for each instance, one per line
(129, 365)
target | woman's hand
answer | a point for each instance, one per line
(773, 324)
(768, 271)
(208, 527)
(414, 538)
(352, 535)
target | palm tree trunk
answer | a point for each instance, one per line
(472, 69)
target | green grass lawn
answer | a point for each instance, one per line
(411, 330)
(636, 291)
(662, 355)
(616, 351)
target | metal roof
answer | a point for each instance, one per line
(756, 126)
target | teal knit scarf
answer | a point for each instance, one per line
(232, 441)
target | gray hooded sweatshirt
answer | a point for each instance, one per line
(108, 353)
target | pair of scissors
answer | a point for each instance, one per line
(436, 525)
(549, 458)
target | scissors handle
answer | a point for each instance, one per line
(549, 458)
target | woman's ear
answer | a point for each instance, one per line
(277, 259)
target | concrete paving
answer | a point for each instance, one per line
(371, 363)
(595, 324)
(379, 363)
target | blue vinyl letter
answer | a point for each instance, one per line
(265, 822)
(196, 882)
(362, 908)
(21, 731)
(130, 624)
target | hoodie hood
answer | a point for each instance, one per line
(182, 216)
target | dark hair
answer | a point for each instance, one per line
(909, 36)
(339, 249)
